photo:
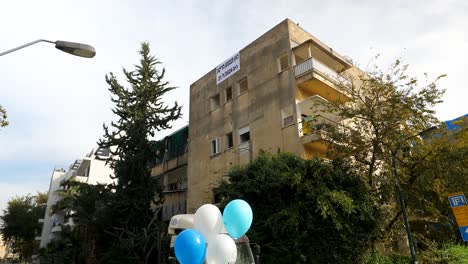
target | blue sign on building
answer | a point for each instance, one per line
(464, 233)
(457, 200)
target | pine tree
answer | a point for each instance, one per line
(3, 117)
(141, 112)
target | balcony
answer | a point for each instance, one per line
(316, 105)
(320, 72)
(175, 187)
(314, 132)
(315, 65)
(168, 165)
(315, 78)
(79, 179)
(169, 210)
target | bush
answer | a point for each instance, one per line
(305, 211)
(447, 254)
(390, 259)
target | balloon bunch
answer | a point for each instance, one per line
(207, 242)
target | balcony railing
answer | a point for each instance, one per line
(169, 210)
(168, 165)
(318, 123)
(175, 187)
(313, 127)
(315, 65)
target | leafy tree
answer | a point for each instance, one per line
(86, 205)
(65, 250)
(141, 112)
(384, 110)
(20, 224)
(382, 116)
(305, 211)
(3, 117)
(438, 166)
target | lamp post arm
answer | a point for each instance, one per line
(26, 45)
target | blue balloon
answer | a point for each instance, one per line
(190, 247)
(237, 218)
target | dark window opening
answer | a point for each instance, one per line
(230, 141)
(228, 94)
(243, 86)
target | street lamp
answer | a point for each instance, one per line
(402, 198)
(77, 49)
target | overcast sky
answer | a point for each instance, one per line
(57, 103)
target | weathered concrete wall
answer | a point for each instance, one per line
(259, 108)
(271, 97)
(52, 198)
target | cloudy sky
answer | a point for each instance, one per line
(57, 103)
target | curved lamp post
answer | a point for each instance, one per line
(77, 49)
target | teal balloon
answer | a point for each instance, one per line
(237, 218)
(190, 247)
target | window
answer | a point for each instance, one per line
(283, 62)
(287, 115)
(243, 86)
(215, 102)
(244, 134)
(215, 148)
(288, 121)
(228, 92)
(229, 140)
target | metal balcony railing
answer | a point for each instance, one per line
(312, 64)
(169, 210)
(313, 124)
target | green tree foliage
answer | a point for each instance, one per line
(20, 224)
(384, 113)
(432, 167)
(141, 112)
(384, 109)
(87, 205)
(66, 250)
(3, 117)
(305, 211)
(115, 222)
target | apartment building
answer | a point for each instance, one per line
(268, 96)
(170, 168)
(92, 170)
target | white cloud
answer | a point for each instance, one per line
(57, 103)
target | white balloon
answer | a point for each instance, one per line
(221, 250)
(208, 221)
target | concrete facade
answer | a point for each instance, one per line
(288, 73)
(90, 170)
